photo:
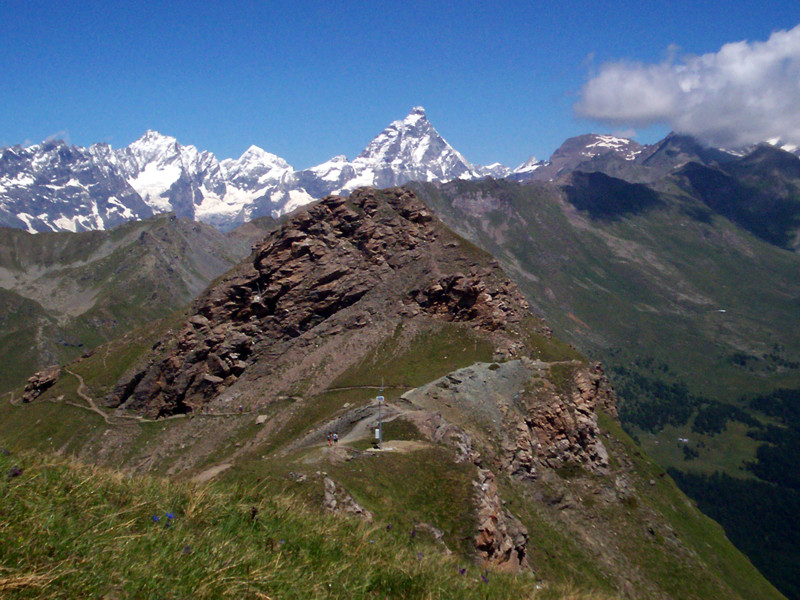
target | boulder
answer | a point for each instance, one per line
(39, 382)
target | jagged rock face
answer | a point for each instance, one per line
(502, 540)
(559, 428)
(460, 298)
(363, 262)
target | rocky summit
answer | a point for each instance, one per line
(317, 293)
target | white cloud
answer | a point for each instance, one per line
(745, 93)
(629, 133)
(61, 134)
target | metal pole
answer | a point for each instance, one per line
(380, 419)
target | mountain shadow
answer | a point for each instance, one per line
(608, 198)
(767, 203)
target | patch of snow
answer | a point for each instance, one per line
(529, 166)
(365, 178)
(21, 180)
(331, 170)
(117, 206)
(297, 198)
(213, 207)
(66, 224)
(27, 219)
(152, 182)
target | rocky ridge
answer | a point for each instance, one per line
(345, 265)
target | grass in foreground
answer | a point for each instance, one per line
(68, 530)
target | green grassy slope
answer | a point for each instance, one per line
(75, 531)
(231, 554)
(101, 537)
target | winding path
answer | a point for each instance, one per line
(82, 389)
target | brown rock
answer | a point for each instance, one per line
(502, 540)
(338, 501)
(560, 427)
(39, 382)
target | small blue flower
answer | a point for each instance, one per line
(170, 515)
(485, 577)
(462, 571)
(156, 519)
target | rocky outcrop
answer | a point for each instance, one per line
(558, 427)
(531, 421)
(320, 262)
(39, 382)
(379, 250)
(436, 429)
(540, 415)
(338, 501)
(502, 540)
(461, 298)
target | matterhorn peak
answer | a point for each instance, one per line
(415, 117)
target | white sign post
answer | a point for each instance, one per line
(380, 423)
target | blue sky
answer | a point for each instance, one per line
(309, 80)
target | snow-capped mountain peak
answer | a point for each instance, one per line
(255, 155)
(154, 147)
(411, 150)
(779, 143)
(496, 170)
(529, 165)
(255, 159)
(599, 144)
(54, 186)
(417, 113)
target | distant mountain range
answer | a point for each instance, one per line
(53, 186)
(56, 187)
